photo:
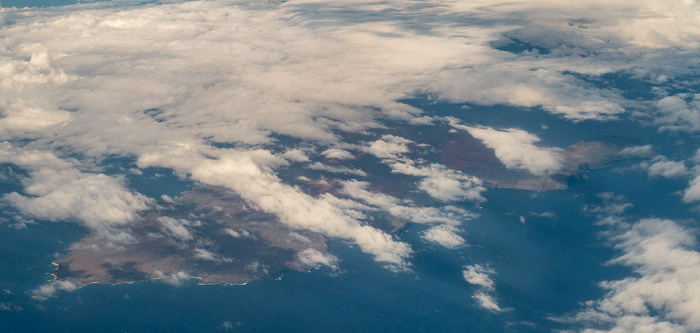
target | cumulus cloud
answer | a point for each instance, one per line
(177, 228)
(176, 279)
(516, 149)
(55, 190)
(613, 205)
(204, 254)
(389, 146)
(438, 181)
(49, 290)
(338, 154)
(249, 173)
(296, 155)
(662, 167)
(445, 221)
(337, 169)
(679, 113)
(480, 276)
(448, 185)
(444, 235)
(311, 257)
(637, 151)
(692, 194)
(442, 183)
(664, 294)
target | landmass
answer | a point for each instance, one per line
(208, 232)
(211, 233)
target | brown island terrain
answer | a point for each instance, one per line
(208, 232)
(211, 233)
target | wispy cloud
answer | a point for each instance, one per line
(480, 277)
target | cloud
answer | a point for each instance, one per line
(664, 293)
(49, 290)
(637, 151)
(55, 190)
(241, 233)
(480, 276)
(337, 169)
(296, 155)
(445, 220)
(249, 173)
(692, 194)
(205, 254)
(516, 149)
(487, 301)
(311, 257)
(438, 181)
(338, 154)
(612, 205)
(10, 306)
(176, 279)
(444, 235)
(678, 113)
(176, 228)
(389, 146)
(450, 185)
(661, 167)
(519, 85)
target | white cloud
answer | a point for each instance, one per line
(480, 277)
(445, 220)
(637, 151)
(438, 181)
(176, 228)
(664, 293)
(57, 191)
(661, 167)
(205, 254)
(337, 169)
(517, 84)
(450, 185)
(249, 174)
(696, 158)
(487, 301)
(241, 233)
(49, 290)
(692, 194)
(389, 146)
(311, 257)
(677, 114)
(445, 235)
(517, 150)
(338, 154)
(176, 279)
(296, 155)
